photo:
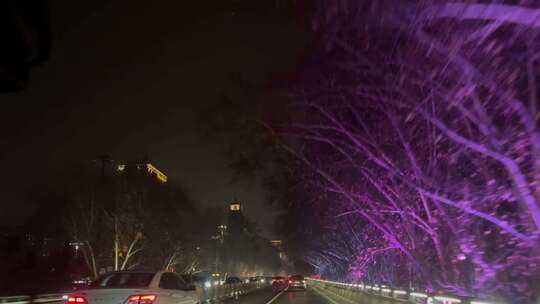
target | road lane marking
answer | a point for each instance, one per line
(276, 296)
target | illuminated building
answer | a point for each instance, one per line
(149, 168)
(236, 221)
(154, 171)
(276, 243)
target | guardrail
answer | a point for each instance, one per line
(353, 292)
(40, 298)
(216, 291)
(206, 292)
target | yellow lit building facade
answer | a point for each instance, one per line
(149, 168)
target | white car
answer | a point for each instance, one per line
(136, 287)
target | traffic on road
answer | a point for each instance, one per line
(137, 287)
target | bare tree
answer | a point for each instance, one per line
(127, 220)
(85, 222)
(423, 122)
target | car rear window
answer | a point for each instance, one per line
(278, 278)
(233, 280)
(123, 280)
(297, 277)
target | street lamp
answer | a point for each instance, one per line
(222, 229)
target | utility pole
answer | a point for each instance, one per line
(220, 239)
(216, 246)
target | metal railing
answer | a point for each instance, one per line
(40, 298)
(217, 291)
(353, 292)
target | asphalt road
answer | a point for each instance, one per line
(267, 296)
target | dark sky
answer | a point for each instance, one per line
(129, 78)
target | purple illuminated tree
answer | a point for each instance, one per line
(420, 119)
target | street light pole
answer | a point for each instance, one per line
(216, 248)
(220, 240)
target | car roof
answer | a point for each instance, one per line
(132, 271)
(154, 283)
(154, 274)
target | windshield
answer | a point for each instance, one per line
(123, 280)
(392, 145)
(233, 280)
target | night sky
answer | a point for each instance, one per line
(129, 78)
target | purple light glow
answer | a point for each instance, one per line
(423, 135)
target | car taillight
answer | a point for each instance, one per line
(142, 299)
(304, 281)
(76, 300)
(290, 281)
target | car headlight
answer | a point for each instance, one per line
(207, 284)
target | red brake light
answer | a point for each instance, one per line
(142, 299)
(147, 299)
(290, 281)
(76, 300)
(133, 300)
